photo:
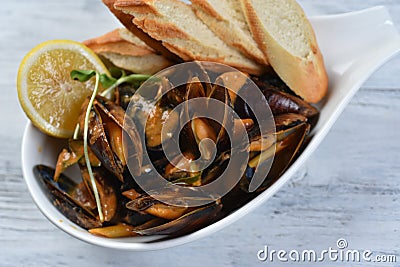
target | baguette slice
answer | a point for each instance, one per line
(126, 20)
(287, 39)
(128, 52)
(226, 19)
(174, 24)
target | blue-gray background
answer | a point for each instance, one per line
(349, 188)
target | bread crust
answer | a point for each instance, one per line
(128, 52)
(126, 20)
(307, 77)
(151, 22)
(227, 30)
(114, 43)
(206, 7)
(160, 31)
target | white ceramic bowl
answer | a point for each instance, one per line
(354, 45)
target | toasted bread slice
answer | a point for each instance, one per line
(128, 52)
(115, 43)
(126, 20)
(226, 19)
(287, 39)
(174, 24)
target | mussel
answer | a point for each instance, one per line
(186, 223)
(281, 149)
(148, 205)
(279, 101)
(107, 188)
(60, 194)
(106, 130)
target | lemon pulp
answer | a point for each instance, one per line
(48, 95)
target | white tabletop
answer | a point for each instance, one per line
(349, 188)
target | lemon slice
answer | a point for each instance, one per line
(48, 95)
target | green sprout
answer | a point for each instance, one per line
(110, 83)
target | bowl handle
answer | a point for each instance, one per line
(365, 38)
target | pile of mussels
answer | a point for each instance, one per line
(128, 210)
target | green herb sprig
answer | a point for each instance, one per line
(110, 83)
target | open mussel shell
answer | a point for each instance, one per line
(148, 205)
(233, 81)
(151, 110)
(271, 80)
(123, 95)
(288, 120)
(290, 143)
(107, 188)
(190, 222)
(99, 141)
(195, 129)
(135, 218)
(287, 146)
(155, 123)
(199, 71)
(201, 128)
(159, 112)
(182, 170)
(216, 169)
(59, 195)
(195, 89)
(279, 102)
(106, 124)
(73, 155)
(223, 95)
